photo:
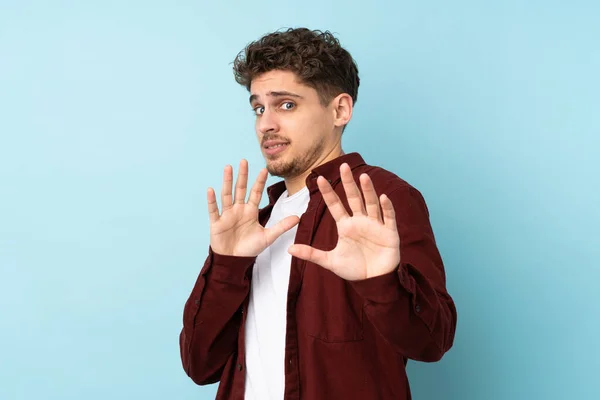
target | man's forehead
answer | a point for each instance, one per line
(277, 84)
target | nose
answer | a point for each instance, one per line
(267, 122)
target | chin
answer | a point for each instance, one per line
(281, 167)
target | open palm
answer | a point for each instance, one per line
(236, 231)
(368, 241)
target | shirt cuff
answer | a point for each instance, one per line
(384, 288)
(230, 269)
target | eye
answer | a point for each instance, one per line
(288, 105)
(258, 110)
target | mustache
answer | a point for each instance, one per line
(267, 138)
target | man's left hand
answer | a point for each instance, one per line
(368, 241)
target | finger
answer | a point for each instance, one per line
(371, 200)
(258, 188)
(241, 183)
(213, 208)
(334, 204)
(226, 190)
(389, 215)
(355, 200)
(310, 254)
(280, 228)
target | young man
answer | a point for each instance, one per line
(328, 290)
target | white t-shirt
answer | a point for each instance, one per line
(266, 320)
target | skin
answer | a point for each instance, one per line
(314, 131)
(290, 111)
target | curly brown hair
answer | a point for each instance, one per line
(316, 57)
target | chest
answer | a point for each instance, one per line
(326, 306)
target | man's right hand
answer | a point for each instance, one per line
(237, 231)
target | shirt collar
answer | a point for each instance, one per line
(329, 170)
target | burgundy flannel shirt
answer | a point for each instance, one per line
(345, 340)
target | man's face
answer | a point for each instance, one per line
(295, 131)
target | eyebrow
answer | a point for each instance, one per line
(282, 93)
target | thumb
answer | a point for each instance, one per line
(311, 254)
(280, 228)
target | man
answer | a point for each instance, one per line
(329, 289)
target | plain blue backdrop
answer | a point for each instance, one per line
(116, 116)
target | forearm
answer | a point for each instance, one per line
(417, 320)
(211, 316)
(410, 306)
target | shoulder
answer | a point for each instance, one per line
(385, 181)
(400, 192)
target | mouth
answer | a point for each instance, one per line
(275, 147)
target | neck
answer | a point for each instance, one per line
(297, 183)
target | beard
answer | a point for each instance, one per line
(297, 165)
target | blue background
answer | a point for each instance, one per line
(116, 116)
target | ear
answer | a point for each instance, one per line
(342, 106)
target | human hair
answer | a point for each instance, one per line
(316, 57)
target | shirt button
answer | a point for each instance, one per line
(418, 308)
(239, 366)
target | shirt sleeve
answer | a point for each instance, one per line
(410, 306)
(212, 317)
